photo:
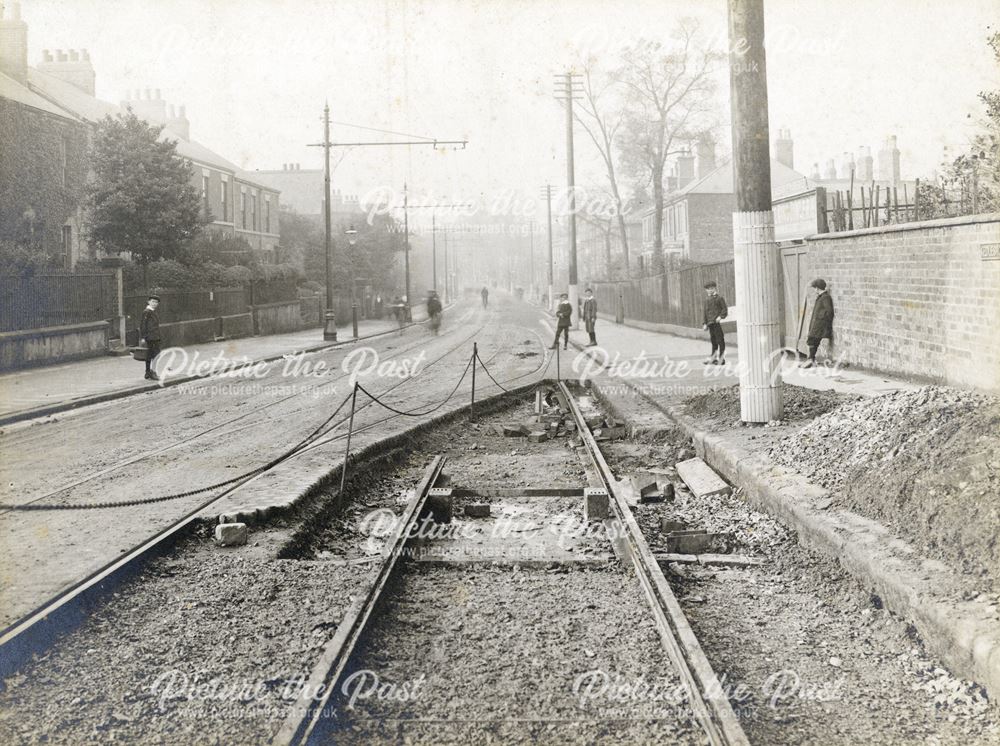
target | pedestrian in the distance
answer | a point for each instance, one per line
(485, 292)
(590, 316)
(821, 323)
(434, 310)
(564, 314)
(716, 309)
(149, 333)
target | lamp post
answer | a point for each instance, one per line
(352, 235)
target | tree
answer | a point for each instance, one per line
(601, 114)
(670, 99)
(141, 200)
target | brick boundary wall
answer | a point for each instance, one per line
(916, 299)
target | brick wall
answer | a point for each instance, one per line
(916, 299)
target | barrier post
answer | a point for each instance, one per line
(475, 357)
(350, 429)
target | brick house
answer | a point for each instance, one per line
(64, 83)
(43, 158)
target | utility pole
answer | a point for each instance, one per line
(566, 90)
(547, 192)
(330, 325)
(756, 254)
(531, 256)
(433, 209)
(406, 254)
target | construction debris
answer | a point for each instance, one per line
(701, 479)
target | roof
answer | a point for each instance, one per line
(22, 94)
(92, 109)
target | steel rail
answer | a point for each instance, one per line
(708, 698)
(307, 712)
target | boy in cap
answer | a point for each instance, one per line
(564, 312)
(590, 316)
(821, 323)
(716, 309)
(149, 332)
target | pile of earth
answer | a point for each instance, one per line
(722, 405)
(924, 462)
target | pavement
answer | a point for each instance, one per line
(670, 367)
(47, 390)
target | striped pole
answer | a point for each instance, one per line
(756, 257)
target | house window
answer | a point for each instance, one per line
(267, 214)
(67, 245)
(243, 210)
(63, 149)
(253, 211)
(204, 192)
(682, 219)
(671, 226)
(224, 194)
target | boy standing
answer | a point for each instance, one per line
(821, 323)
(590, 316)
(149, 332)
(564, 312)
(716, 309)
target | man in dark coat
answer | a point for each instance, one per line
(149, 332)
(485, 292)
(564, 314)
(590, 315)
(716, 309)
(434, 310)
(821, 323)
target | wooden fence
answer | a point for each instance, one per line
(675, 297)
(57, 298)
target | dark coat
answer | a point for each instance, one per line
(821, 324)
(564, 312)
(149, 325)
(590, 313)
(433, 306)
(715, 307)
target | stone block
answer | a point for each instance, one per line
(477, 510)
(231, 534)
(596, 505)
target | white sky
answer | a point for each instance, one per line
(254, 75)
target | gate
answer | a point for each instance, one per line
(796, 276)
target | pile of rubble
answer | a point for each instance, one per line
(721, 406)
(553, 418)
(923, 461)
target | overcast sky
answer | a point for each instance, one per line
(254, 75)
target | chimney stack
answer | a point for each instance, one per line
(783, 148)
(74, 68)
(831, 170)
(846, 165)
(866, 171)
(178, 121)
(685, 168)
(705, 150)
(888, 161)
(14, 44)
(815, 173)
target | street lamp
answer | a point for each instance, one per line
(352, 234)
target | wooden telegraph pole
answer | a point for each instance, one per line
(547, 193)
(567, 89)
(756, 254)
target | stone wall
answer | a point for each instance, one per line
(52, 344)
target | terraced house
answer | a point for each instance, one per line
(61, 89)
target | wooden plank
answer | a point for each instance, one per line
(717, 560)
(700, 478)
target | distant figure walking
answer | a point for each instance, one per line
(821, 323)
(149, 333)
(398, 310)
(434, 310)
(564, 314)
(590, 316)
(485, 292)
(716, 309)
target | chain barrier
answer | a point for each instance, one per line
(178, 495)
